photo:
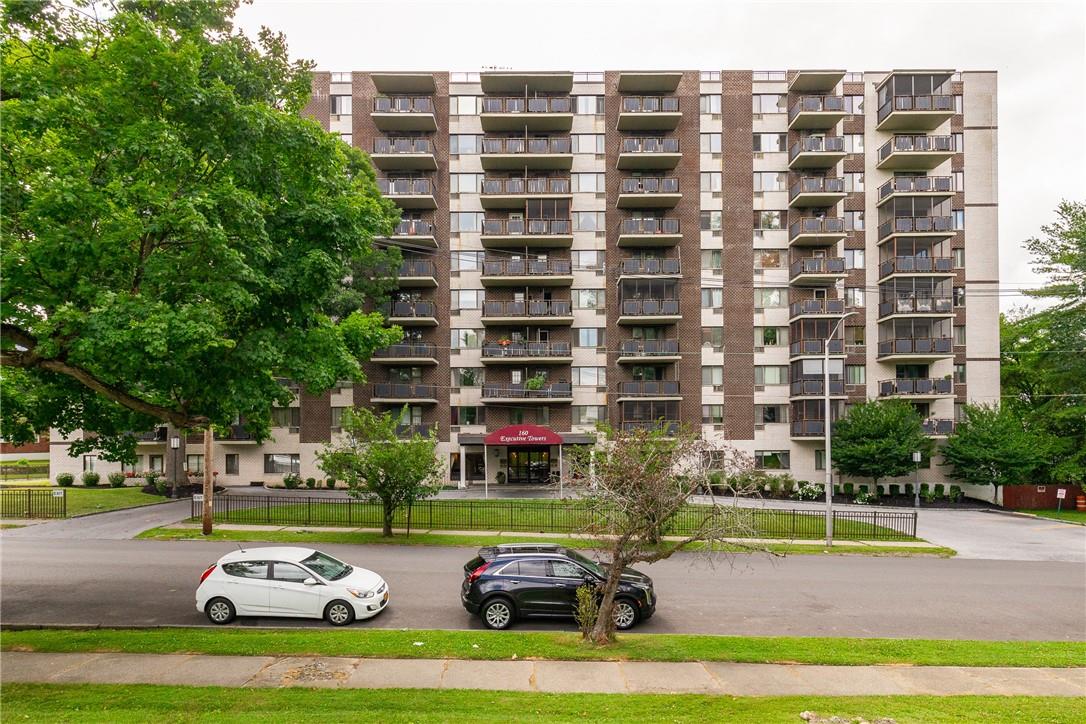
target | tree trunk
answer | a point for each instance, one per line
(388, 511)
(603, 633)
(209, 488)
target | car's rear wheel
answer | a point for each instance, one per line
(624, 614)
(498, 614)
(220, 611)
(339, 613)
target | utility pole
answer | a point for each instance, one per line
(826, 424)
(209, 488)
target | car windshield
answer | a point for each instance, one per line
(590, 565)
(327, 566)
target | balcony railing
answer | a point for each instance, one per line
(650, 226)
(650, 104)
(156, 435)
(527, 267)
(917, 265)
(916, 345)
(943, 103)
(808, 428)
(502, 144)
(817, 265)
(407, 431)
(650, 266)
(419, 350)
(813, 386)
(917, 305)
(649, 348)
(405, 186)
(235, 433)
(933, 426)
(817, 225)
(817, 144)
(403, 391)
(385, 145)
(816, 306)
(403, 104)
(531, 227)
(531, 308)
(525, 350)
(650, 307)
(418, 268)
(518, 391)
(414, 227)
(408, 309)
(650, 144)
(916, 144)
(552, 104)
(541, 185)
(671, 427)
(921, 386)
(811, 347)
(816, 104)
(917, 225)
(917, 185)
(649, 388)
(650, 185)
(818, 185)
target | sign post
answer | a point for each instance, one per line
(1060, 495)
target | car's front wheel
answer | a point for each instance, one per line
(498, 614)
(624, 614)
(339, 613)
(220, 611)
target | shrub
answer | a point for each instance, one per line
(116, 479)
(330, 483)
(65, 480)
(150, 477)
(939, 490)
(908, 488)
(310, 483)
(895, 489)
(956, 494)
(292, 480)
(161, 486)
(929, 495)
(774, 487)
(863, 497)
(924, 488)
(90, 479)
(807, 491)
(587, 610)
(848, 489)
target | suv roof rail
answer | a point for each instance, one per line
(488, 553)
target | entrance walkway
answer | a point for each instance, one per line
(604, 677)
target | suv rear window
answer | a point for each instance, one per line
(534, 569)
(246, 569)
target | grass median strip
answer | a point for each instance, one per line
(127, 703)
(1073, 516)
(490, 645)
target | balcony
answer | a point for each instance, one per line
(937, 428)
(648, 81)
(649, 267)
(817, 271)
(405, 432)
(527, 272)
(417, 353)
(409, 193)
(518, 393)
(815, 348)
(915, 389)
(554, 311)
(912, 266)
(521, 352)
(648, 351)
(234, 434)
(915, 113)
(649, 390)
(417, 273)
(915, 153)
(649, 113)
(158, 435)
(396, 82)
(644, 192)
(392, 393)
(816, 309)
(813, 387)
(818, 191)
(509, 82)
(513, 193)
(649, 153)
(811, 113)
(928, 227)
(917, 307)
(807, 429)
(933, 187)
(670, 427)
(414, 232)
(649, 232)
(817, 231)
(505, 153)
(406, 153)
(649, 311)
(404, 113)
(539, 233)
(915, 348)
(517, 113)
(807, 81)
(410, 313)
(816, 152)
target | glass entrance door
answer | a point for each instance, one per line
(529, 466)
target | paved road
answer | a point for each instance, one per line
(152, 583)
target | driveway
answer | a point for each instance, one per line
(115, 525)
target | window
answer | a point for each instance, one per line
(467, 260)
(588, 143)
(465, 221)
(710, 181)
(855, 374)
(959, 257)
(336, 423)
(711, 220)
(710, 143)
(959, 374)
(770, 336)
(854, 338)
(712, 414)
(462, 77)
(341, 77)
(133, 467)
(588, 298)
(710, 103)
(466, 299)
(590, 337)
(347, 138)
(589, 414)
(820, 459)
(339, 105)
(565, 569)
(280, 463)
(589, 182)
(588, 105)
(770, 374)
(770, 142)
(289, 573)
(770, 181)
(712, 375)
(959, 335)
(712, 337)
(767, 220)
(88, 463)
(589, 77)
(232, 465)
(155, 463)
(464, 183)
(587, 260)
(769, 75)
(770, 414)
(959, 411)
(463, 143)
(467, 376)
(194, 464)
(589, 221)
(521, 415)
(854, 181)
(854, 220)
(711, 259)
(769, 103)
(770, 297)
(712, 297)
(463, 106)
(710, 75)
(466, 338)
(959, 142)
(286, 417)
(589, 376)
(854, 143)
(854, 105)
(959, 296)
(468, 415)
(959, 180)
(246, 569)
(854, 296)
(958, 217)
(770, 258)
(771, 459)
(854, 258)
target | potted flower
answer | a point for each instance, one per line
(535, 383)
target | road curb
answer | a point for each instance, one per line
(1023, 514)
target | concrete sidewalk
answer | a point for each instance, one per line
(605, 677)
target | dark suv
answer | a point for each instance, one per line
(505, 582)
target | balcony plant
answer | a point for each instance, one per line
(535, 383)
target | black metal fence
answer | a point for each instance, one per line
(33, 503)
(552, 516)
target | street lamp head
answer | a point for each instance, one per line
(917, 456)
(175, 442)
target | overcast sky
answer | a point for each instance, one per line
(1039, 49)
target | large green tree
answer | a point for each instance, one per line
(995, 446)
(175, 235)
(877, 439)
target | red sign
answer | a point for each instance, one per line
(523, 435)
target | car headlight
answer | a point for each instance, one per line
(360, 594)
(643, 586)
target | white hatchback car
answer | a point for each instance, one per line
(298, 582)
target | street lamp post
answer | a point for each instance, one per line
(826, 426)
(917, 456)
(175, 445)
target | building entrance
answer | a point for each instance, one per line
(529, 465)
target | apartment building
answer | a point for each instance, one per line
(664, 247)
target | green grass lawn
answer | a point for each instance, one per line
(1075, 516)
(90, 500)
(500, 645)
(14, 481)
(132, 703)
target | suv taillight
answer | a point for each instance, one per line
(477, 572)
(207, 572)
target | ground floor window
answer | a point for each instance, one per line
(475, 470)
(194, 464)
(280, 463)
(133, 467)
(155, 463)
(88, 463)
(771, 459)
(232, 464)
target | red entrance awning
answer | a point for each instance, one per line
(523, 435)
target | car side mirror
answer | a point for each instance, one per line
(309, 582)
